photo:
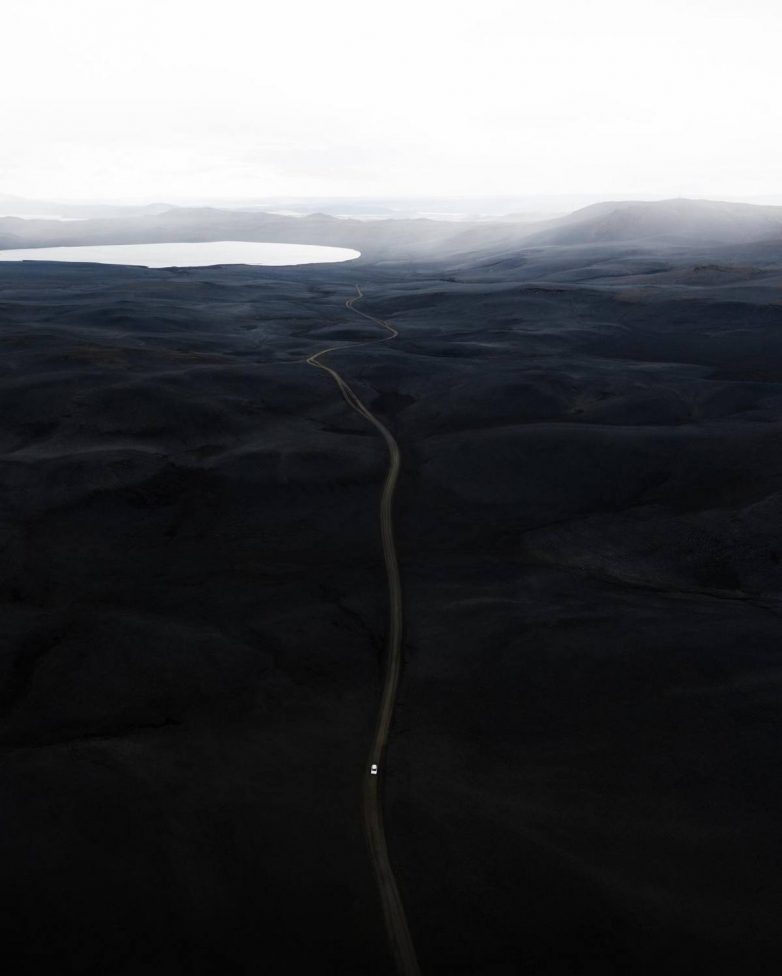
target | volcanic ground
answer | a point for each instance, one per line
(583, 773)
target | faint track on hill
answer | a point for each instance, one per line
(393, 908)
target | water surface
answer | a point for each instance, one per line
(187, 255)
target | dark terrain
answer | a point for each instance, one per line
(583, 775)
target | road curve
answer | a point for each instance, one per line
(393, 909)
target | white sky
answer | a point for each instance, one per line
(170, 99)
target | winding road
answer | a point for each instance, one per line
(393, 909)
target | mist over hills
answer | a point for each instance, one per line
(672, 223)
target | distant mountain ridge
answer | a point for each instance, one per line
(680, 222)
(14, 205)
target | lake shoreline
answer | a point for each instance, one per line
(190, 254)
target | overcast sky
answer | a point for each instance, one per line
(170, 99)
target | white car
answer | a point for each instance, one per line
(373, 769)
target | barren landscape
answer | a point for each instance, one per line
(581, 771)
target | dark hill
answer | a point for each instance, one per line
(671, 221)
